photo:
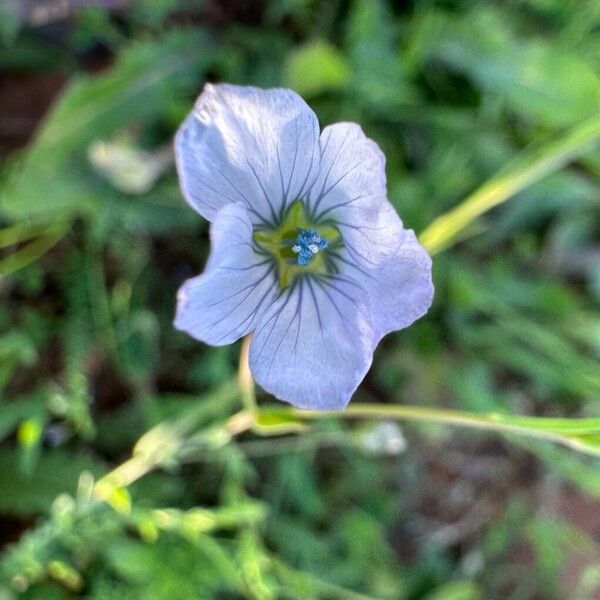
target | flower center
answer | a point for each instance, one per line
(296, 244)
(307, 246)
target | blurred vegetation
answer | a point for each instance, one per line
(95, 240)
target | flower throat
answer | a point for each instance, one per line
(297, 245)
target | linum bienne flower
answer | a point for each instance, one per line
(307, 253)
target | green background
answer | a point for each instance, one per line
(95, 239)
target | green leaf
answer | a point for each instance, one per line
(538, 80)
(11, 20)
(146, 79)
(145, 83)
(33, 250)
(316, 67)
(579, 470)
(55, 472)
(138, 335)
(274, 421)
(378, 76)
(13, 413)
(456, 590)
(527, 168)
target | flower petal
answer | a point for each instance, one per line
(245, 144)
(351, 192)
(314, 345)
(400, 290)
(224, 303)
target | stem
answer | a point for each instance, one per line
(123, 476)
(446, 229)
(330, 590)
(32, 251)
(579, 434)
(525, 426)
(167, 440)
(245, 379)
(21, 232)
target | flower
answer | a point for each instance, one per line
(307, 253)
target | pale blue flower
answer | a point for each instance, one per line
(307, 253)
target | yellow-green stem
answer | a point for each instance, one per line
(245, 379)
(31, 251)
(496, 422)
(142, 463)
(449, 227)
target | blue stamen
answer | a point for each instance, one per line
(307, 245)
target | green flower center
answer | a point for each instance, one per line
(297, 245)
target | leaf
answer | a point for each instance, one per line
(456, 590)
(138, 335)
(552, 85)
(538, 80)
(146, 81)
(55, 472)
(11, 21)
(316, 67)
(32, 251)
(276, 422)
(378, 77)
(527, 168)
(580, 471)
(12, 413)
(173, 568)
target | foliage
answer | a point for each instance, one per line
(126, 470)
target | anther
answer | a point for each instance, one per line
(307, 244)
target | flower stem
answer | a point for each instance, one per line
(579, 434)
(166, 442)
(245, 379)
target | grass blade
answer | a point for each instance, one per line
(527, 169)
